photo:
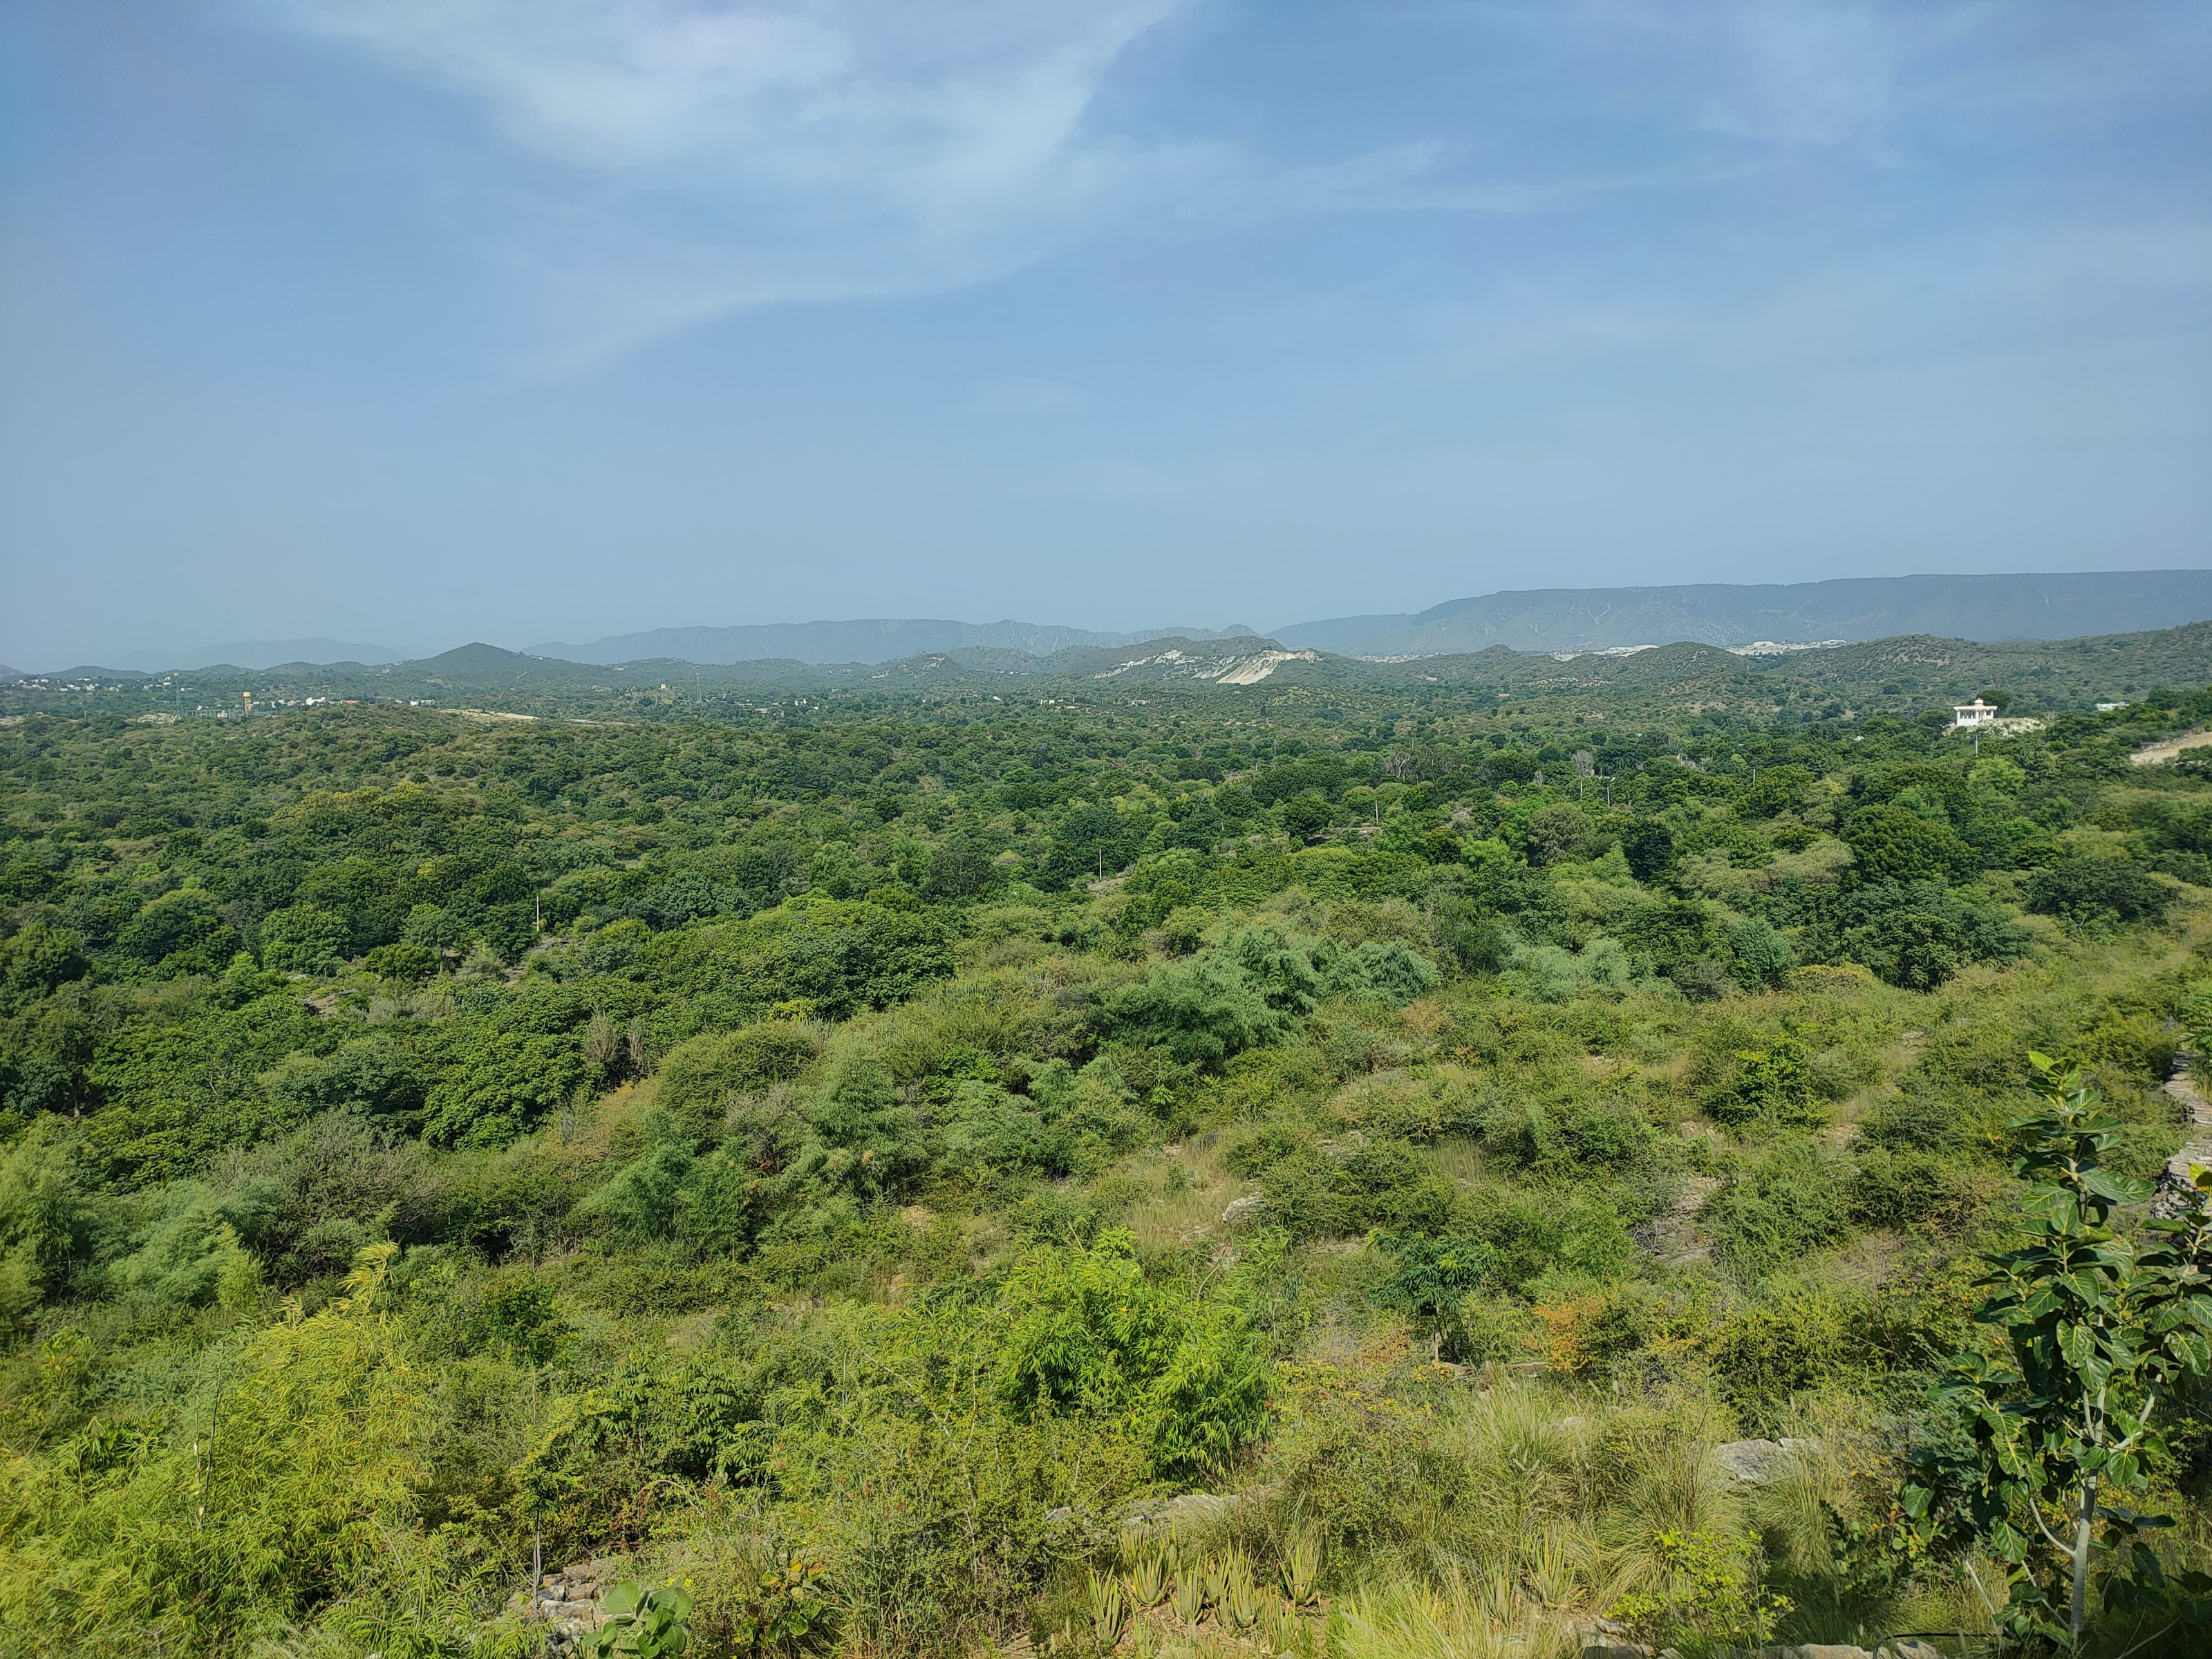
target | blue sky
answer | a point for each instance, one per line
(420, 320)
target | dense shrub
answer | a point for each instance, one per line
(2097, 890)
(1893, 844)
(1088, 1333)
(700, 1079)
(1773, 1215)
(501, 1086)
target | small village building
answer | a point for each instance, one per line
(1976, 713)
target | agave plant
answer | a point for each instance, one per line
(1299, 1569)
(1279, 1624)
(1150, 1578)
(1109, 1611)
(1215, 1572)
(1240, 1597)
(1190, 1597)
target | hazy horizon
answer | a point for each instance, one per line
(553, 319)
(2009, 605)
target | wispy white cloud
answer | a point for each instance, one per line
(735, 152)
(711, 156)
(902, 103)
(701, 157)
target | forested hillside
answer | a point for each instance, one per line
(1309, 1168)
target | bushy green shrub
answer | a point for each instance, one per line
(1086, 1331)
(1531, 1233)
(37, 958)
(699, 1081)
(184, 1255)
(180, 932)
(983, 1131)
(861, 1136)
(1349, 1189)
(501, 1086)
(1914, 935)
(639, 1200)
(1911, 1187)
(303, 938)
(1091, 1114)
(1433, 1279)
(1790, 1203)
(403, 960)
(1770, 1351)
(2085, 891)
(1220, 1002)
(1893, 844)
(1773, 1085)
(1763, 953)
(48, 1218)
(374, 1077)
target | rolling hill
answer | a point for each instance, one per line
(1849, 610)
(870, 639)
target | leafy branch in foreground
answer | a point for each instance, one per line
(2061, 1428)
(642, 1623)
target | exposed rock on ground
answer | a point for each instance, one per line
(2174, 1185)
(570, 1601)
(1756, 1463)
(1672, 1236)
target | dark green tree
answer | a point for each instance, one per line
(2098, 890)
(1892, 843)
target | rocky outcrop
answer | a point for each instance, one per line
(2172, 1195)
(569, 1602)
(1756, 1463)
(1189, 1512)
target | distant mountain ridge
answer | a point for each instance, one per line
(1981, 609)
(880, 639)
(259, 654)
(2033, 606)
(1913, 675)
